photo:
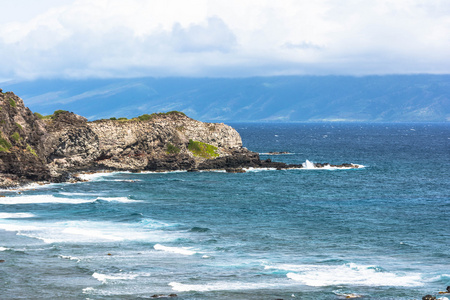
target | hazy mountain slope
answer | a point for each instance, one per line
(293, 98)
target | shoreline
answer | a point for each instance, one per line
(83, 176)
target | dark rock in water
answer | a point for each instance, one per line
(193, 170)
(2, 260)
(199, 229)
(448, 289)
(173, 295)
(428, 297)
(235, 170)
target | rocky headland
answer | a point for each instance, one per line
(53, 149)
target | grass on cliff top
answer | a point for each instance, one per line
(204, 150)
(49, 117)
(12, 102)
(144, 117)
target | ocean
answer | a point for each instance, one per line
(377, 232)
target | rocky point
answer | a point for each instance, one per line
(33, 148)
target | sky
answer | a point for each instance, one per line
(82, 39)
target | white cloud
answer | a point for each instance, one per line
(113, 38)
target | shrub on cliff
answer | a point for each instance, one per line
(31, 150)
(15, 136)
(4, 145)
(171, 149)
(57, 112)
(146, 117)
(204, 150)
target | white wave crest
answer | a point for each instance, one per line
(348, 274)
(251, 169)
(225, 285)
(308, 165)
(176, 250)
(97, 176)
(70, 257)
(16, 215)
(104, 278)
(3, 249)
(117, 199)
(41, 199)
(87, 231)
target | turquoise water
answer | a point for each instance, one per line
(382, 231)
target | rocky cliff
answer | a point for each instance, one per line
(51, 149)
(33, 148)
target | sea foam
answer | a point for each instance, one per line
(104, 278)
(42, 199)
(87, 231)
(308, 165)
(348, 274)
(176, 250)
(16, 215)
(117, 199)
(38, 199)
(225, 285)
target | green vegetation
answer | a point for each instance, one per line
(39, 115)
(15, 136)
(49, 117)
(171, 149)
(20, 126)
(4, 145)
(12, 102)
(174, 112)
(56, 113)
(202, 149)
(146, 117)
(31, 150)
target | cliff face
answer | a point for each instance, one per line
(35, 149)
(161, 143)
(21, 150)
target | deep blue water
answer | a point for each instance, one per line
(382, 231)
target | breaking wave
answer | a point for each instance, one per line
(177, 250)
(348, 274)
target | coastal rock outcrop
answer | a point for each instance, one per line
(52, 148)
(21, 151)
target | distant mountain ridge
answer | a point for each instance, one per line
(390, 98)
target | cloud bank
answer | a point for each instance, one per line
(201, 38)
